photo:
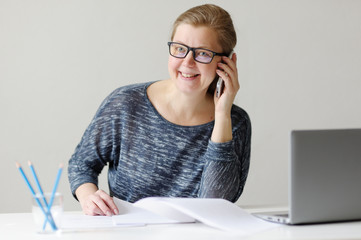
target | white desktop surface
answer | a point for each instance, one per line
(21, 226)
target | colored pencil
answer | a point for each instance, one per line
(38, 183)
(47, 215)
(54, 191)
(41, 193)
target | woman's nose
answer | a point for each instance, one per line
(188, 60)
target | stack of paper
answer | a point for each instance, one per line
(217, 213)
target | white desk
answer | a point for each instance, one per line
(21, 226)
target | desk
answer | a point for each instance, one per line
(21, 226)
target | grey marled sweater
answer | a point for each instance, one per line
(150, 156)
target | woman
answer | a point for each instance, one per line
(172, 137)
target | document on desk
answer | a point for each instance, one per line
(217, 213)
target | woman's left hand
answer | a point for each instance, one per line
(222, 130)
(228, 72)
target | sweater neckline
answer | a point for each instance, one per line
(149, 103)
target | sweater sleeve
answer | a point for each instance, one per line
(227, 165)
(95, 149)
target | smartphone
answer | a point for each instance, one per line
(219, 87)
(220, 84)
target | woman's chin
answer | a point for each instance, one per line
(189, 87)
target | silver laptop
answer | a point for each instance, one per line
(325, 177)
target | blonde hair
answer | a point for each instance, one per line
(214, 17)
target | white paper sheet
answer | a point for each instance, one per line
(81, 222)
(217, 213)
(138, 213)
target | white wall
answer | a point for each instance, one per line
(299, 67)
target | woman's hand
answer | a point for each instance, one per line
(95, 202)
(222, 130)
(228, 72)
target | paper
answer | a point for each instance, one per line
(148, 212)
(84, 221)
(76, 222)
(217, 213)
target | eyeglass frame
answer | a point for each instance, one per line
(194, 51)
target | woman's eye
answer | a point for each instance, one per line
(204, 54)
(181, 49)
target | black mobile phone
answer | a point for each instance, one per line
(220, 84)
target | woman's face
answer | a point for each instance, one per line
(192, 77)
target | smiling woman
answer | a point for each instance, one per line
(191, 75)
(172, 137)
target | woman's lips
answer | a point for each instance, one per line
(188, 76)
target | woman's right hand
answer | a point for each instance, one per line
(95, 202)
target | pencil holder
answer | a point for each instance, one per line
(45, 222)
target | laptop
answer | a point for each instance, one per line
(325, 177)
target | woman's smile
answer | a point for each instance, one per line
(188, 76)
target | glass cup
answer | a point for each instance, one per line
(47, 224)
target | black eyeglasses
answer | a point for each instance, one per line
(201, 55)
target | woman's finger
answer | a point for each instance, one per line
(104, 209)
(109, 202)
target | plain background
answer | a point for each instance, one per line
(299, 68)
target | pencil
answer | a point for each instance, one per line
(41, 194)
(34, 196)
(38, 183)
(56, 184)
(54, 191)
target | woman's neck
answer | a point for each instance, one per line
(184, 109)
